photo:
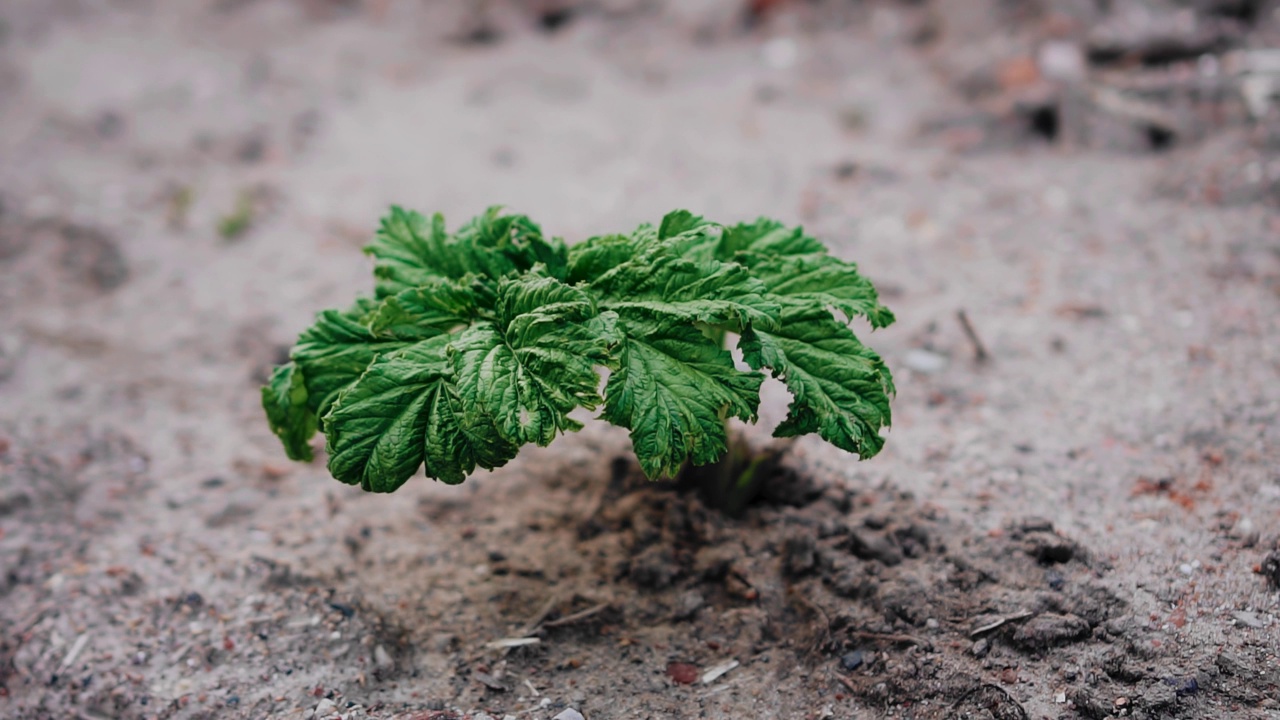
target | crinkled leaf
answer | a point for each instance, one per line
(536, 362)
(595, 256)
(502, 244)
(456, 443)
(662, 284)
(840, 387)
(822, 281)
(673, 388)
(334, 352)
(681, 234)
(409, 251)
(329, 356)
(404, 410)
(678, 222)
(768, 237)
(435, 308)
(284, 398)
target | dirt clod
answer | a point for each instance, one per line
(654, 568)
(1271, 569)
(1050, 629)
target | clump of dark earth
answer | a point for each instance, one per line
(1271, 568)
(874, 593)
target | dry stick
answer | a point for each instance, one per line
(543, 612)
(575, 617)
(1000, 622)
(979, 350)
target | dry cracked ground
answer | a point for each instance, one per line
(1084, 524)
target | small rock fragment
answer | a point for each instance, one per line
(874, 548)
(683, 673)
(1248, 619)
(1184, 686)
(851, 661)
(1271, 569)
(1159, 696)
(382, 658)
(1231, 664)
(688, 605)
(981, 648)
(569, 714)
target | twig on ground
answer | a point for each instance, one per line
(575, 617)
(979, 350)
(999, 622)
(508, 643)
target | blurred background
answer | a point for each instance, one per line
(1095, 184)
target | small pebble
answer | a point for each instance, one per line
(1248, 619)
(852, 660)
(569, 714)
(683, 673)
(981, 648)
(382, 658)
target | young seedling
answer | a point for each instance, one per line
(480, 341)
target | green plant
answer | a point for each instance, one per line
(480, 341)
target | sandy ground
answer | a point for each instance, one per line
(1077, 527)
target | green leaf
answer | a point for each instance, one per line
(768, 237)
(595, 256)
(435, 308)
(822, 281)
(536, 362)
(405, 410)
(409, 252)
(662, 283)
(284, 398)
(501, 244)
(679, 222)
(682, 234)
(329, 356)
(456, 443)
(334, 352)
(674, 388)
(840, 387)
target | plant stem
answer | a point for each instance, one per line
(731, 482)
